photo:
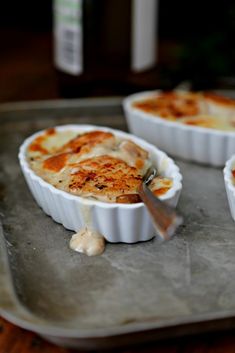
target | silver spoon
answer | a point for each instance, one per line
(164, 217)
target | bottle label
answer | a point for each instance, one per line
(143, 34)
(68, 36)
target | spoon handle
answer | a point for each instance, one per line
(164, 217)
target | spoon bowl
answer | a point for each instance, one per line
(165, 218)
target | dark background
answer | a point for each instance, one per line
(196, 43)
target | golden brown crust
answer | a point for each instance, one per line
(56, 163)
(37, 145)
(215, 98)
(170, 105)
(85, 142)
(104, 175)
(51, 131)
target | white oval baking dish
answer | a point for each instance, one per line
(193, 143)
(229, 186)
(128, 223)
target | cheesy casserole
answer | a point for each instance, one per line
(95, 165)
(196, 109)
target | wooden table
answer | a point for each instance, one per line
(16, 340)
(27, 73)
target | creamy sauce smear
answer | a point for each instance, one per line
(88, 241)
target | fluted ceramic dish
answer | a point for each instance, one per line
(193, 143)
(229, 185)
(127, 223)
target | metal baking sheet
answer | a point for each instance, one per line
(131, 293)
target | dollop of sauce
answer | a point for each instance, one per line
(88, 241)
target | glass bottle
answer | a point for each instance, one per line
(105, 46)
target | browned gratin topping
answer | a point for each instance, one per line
(94, 165)
(202, 109)
(170, 104)
(104, 174)
(84, 143)
(219, 99)
(56, 163)
(36, 146)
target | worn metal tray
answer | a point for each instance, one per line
(130, 294)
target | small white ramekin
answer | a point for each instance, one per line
(229, 186)
(128, 223)
(193, 143)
